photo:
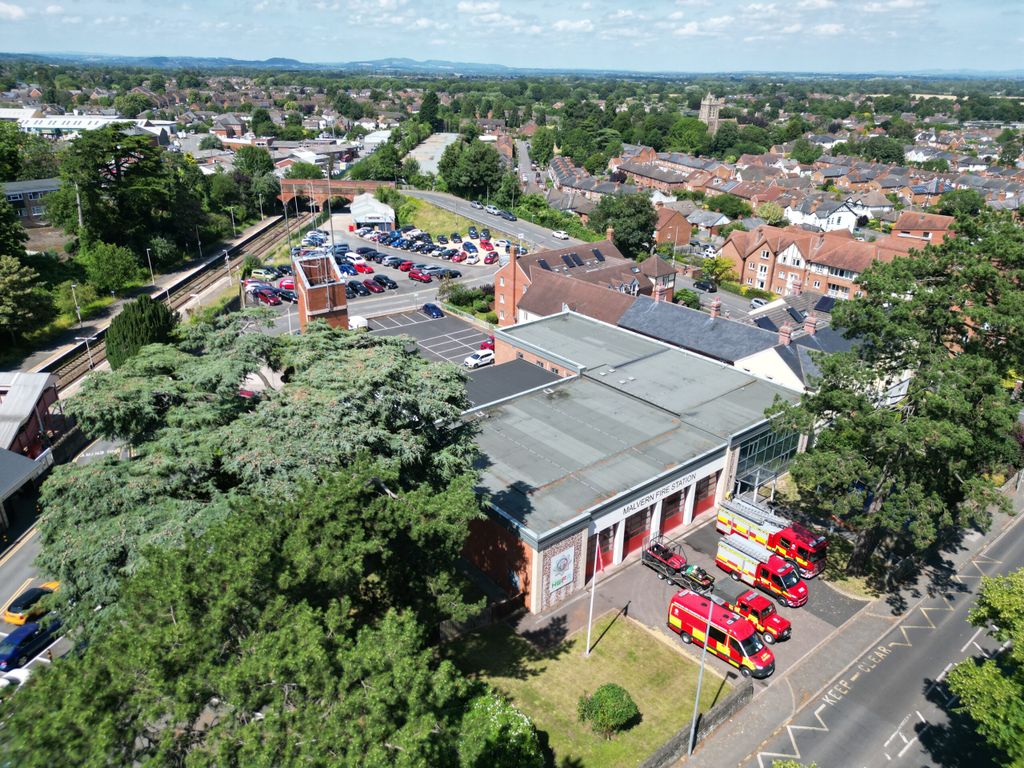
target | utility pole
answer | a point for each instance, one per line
(700, 679)
(78, 309)
(78, 202)
(149, 259)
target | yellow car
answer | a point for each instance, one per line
(26, 605)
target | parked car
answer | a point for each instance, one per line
(477, 204)
(286, 282)
(264, 273)
(486, 245)
(359, 288)
(485, 234)
(285, 269)
(373, 286)
(705, 285)
(391, 261)
(473, 258)
(405, 266)
(268, 297)
(451, 274)
(433, 269)
(354, 258)
(385, 281)
(459, 257)
(362, 250)
(473, 234)
(407, 228)
(432, 310)
(25, 606)
(364, 268)
(502, 243)
(469, 248)
(479, 358)
(488, 343)
(441, 239)
(418, 276)
(758, 302)
(455, 237)
(347, 269)
(18, 648)
(16, 678)
(490, 258)
(349, 293)
(558, 234)
(286, 295)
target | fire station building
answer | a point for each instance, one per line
(633, 438)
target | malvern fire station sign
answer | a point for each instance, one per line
(646, 501)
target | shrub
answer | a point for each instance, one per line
(496, 734)
(491, 318)
(249, 263)
(610, 709)
(141, 322)
(687, 298)
(481, 305)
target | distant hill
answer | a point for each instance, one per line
(443, 67)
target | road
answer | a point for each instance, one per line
(530, 187)
(891, 707)
(536, 235)
(733, 306)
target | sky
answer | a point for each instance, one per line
(653, 35)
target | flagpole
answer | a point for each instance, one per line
(593, 591)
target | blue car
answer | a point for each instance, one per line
(27, 641)
(469, 248)
(432, 310)
(347, 269)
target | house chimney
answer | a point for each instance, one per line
(810, 324)
(785, 333)
(716, 307)
(659, 204)
(661, 292)
(609, 233)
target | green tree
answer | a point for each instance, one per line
(882, 149)
(478, 173)
(687, 298)
(991, 690)
(688, 134)
(910, 467)
(428, 110)
(496, 734)
(211, 142)
(729, 205)
(770, 212)
(131, 104)
(12, 234)
(109, 267)
(717, 270)
(804, 152)
(961, 202)
(253, 161)
(39, 159)
(303, 170)
(633, 219)
(608, 710)
(542, 146)
(140, 322)
(10, 151)
(24, 306)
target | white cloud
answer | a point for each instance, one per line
(676, 15)
(261, 6)
(893, 5)
(71, 20)
(789, 30)
(688, 29)
(761, 9)
(717, 24)
(693, 3)
(11, 12)
(53, 10)
(814, 5)
(573, 25)
(586, 6)
(828, 29)
(478, 7)
(424, 23)
(623, 14)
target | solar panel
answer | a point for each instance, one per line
(765, 323)
(576, 259)
(544, 264)
(796, 314)
(825, 304)
(597, 254)
(568, 261)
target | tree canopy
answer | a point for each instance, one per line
(140, 322)
(918, 415)
(632, 217)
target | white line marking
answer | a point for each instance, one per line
(973, 637)
(911, 742)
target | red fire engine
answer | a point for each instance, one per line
(802, 547)
(748, 561)
(729, 636)
(755, 608)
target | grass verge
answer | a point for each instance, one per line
(546, 685)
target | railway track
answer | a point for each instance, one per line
(93, 354)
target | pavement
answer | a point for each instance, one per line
(872, 693)
(68, 340)
(536, 235)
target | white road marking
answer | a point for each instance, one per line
(973, 637)
(17, 592)
(913, 740)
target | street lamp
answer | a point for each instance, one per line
(152, 276)
(261, 204)
(199, 242)
(234, 231)
(700, 678)
(227, 264)
(78, 309)
(88, 350)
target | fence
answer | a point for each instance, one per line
(676, 747)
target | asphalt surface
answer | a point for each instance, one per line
(734, 307)
(524, 168)
(891, 705)
(443, 339)
(536, 235)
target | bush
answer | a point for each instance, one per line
(141, 322)
(249, 263)
(481, 305)
(490, 317)
(496, 734)
(610, 709)
(64, 297)
(687, 298)
(109, 267)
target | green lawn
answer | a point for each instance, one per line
(547, 685)
(438, 221)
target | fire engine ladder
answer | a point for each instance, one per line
(747, 547)
(753, 512)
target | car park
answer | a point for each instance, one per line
(559, 234)
(373, 286)
(432, 311)
(18, 648)
(385, 281)
(479, 359)
(418, 276)
(359, 288)
(25, 606)
(705, 285)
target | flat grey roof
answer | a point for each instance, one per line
(640, 410)
(15, 471)
(497, 382)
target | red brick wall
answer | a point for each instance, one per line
(498, 552)
(504, 302)
(505, 352)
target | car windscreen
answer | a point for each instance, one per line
(28, 598)
(790, 579)
(751, 645)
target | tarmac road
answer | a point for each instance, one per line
(890, 706)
